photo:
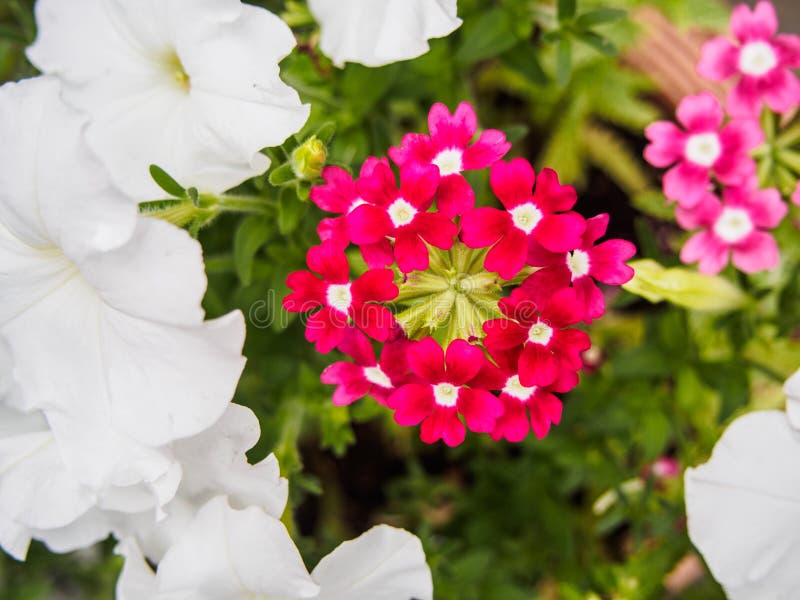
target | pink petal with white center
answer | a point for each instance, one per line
(686, 183)
(455, 196)
(482, 227)
(337, 194)
(326, 328)
(719, 59)
(560, 232)
(591, 298)
(418, 184)
(513, 425)
(744, 100)
(766, 206)
(760, 23)
(452, 131)
(796, 195)
(666, 143)
(512, 182)
(410, 251)
(436, 229)
(369, 224)
(308, 292)
(378, 255)
(702, 214)
(334, 229)
(490, 147)
(700, 113)
(414, 148)
(443, 424)
(376, 285)
(537, 366)
(502, 334)
(375, 320)
(607, 261)
(759, 252)
(350, 382)
(330, 261)
(545, 409)
(507, 257)
(788, 48)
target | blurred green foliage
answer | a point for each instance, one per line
(498, 521)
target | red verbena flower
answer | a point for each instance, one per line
(529, 215)
(339, 300)
(448, 148)
(443, 392)
(402, 215)
(580, 268)
(366, 375)
(549, 346)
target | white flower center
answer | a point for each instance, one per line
(526, 217)
(448, 161)
(540, 334)
(733, 225)
(757, 58)
(445, 394)
(377, 376)
(516, 390)
(177, 72)
(339, 296)
(355, 204)
(578, 263)
(703, 149)
(401, 212)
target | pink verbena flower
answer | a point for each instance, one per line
(581, 268)
(702, 150)
(448, 148)
(529, 215)
(796, 195)
(402, 215)
(340, 195)
(443, 393)
(548, 345)
(525, 408)
(762, 59)
(735, 227)
(340, 301)
(365, 375)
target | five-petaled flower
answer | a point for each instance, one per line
(448, 147)
(529, 215)
(763, 61)
(445, 391)
(340, 301)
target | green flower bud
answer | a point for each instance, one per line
(309, 158)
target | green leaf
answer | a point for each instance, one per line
(516, 132)
(282, 175)
(326, 132)
(599, 16)
(566, 9)
(598, 42)
(12, 33)
(523, 59)
(290, 211)
(166, 182)
(252, 234)
(563, 61)
(489, 35)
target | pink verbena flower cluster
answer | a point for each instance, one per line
(713, 175)
(476, 308)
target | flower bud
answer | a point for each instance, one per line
(309, 158)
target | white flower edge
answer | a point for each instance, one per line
(191, 86)
(378, 32)
(743, 507)
(382, 564)
(792, 390)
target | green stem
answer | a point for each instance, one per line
(245, 204)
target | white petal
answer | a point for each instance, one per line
(379, 32)
(743, 507)
(136, 581)
(14, 538)
(206, 133)
(792, 390)
(6, 369)
(234, 554)
(384, 563)
(53, 190)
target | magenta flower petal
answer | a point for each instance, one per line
(591, 298)
(426, 359)
(512, 182)
(502, 334)
(414, 148)
(537, 366)
(608, 261)
(552, 196)
(719, 59)
(378, 255)
(330, 261)
(744, 100)
(781, 90)
(667, 142)
(443, 424)
(308, 292)
(356, 345)
(758, 252)
(686, 183)
(337, 194)
(456, 130)
(760, 23)
(368, 224)
(375, 285)
(326, 328)
(490, 147)
(560, 232)
(411, 403)
(704, 248)
(418, 184)
(456, 196)
(436, 229)
(507, 257)
(699, 113)
(545, 409)
(463, 361)
(410, 252)
(482, 227)
(479, 408)
(513, 425)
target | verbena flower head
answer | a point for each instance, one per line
(485, 302)
(761, 61)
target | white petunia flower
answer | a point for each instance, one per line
(792, 390)
(190, 85)
(101, 309)
(743, 508)
(229, 554)
(379, 32)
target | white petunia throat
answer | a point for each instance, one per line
(757, 59)
(515, 389)
(177, 72)
(703, 149)
(339, 296)
(540, 333)
(578, 264)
